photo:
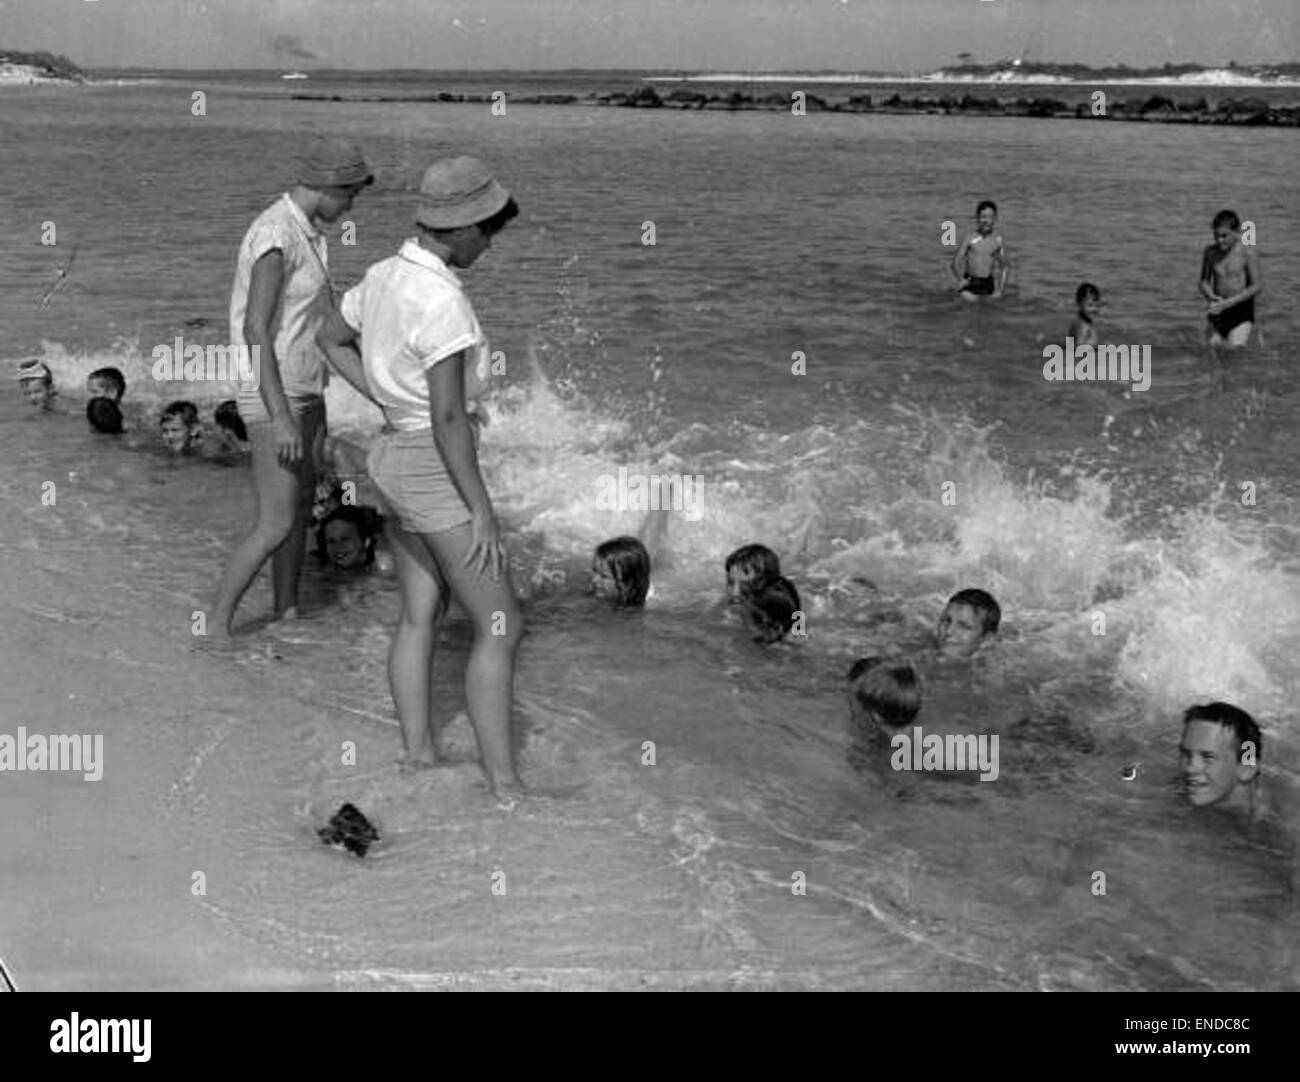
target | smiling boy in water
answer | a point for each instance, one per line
(968, 620)
(1229, 282)
(1219, 757)
(980, 265)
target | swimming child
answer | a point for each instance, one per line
(620, 571)
(772, 611)
(1219, 756)
(1229, 282)
(106, 383)
(179, 428)
(884, 693)
(980, 265)
(104, 416)
(969, 618)
(345, 539)
(36, 382)
(749, 568)
(1088, 299)
(229, 423)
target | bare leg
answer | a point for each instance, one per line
(498, 628)
(277, 503)
(286, 562)
(410, 658)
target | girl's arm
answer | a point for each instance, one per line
(338, 340)
(454, 439)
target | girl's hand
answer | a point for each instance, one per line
(486, 550)
(288, 439)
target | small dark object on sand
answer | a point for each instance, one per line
(197, 322)
(350, 829)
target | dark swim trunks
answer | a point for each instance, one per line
(980, 287)
(1232, 317)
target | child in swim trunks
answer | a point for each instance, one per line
(980, 265)
(1230, 283)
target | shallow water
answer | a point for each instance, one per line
(775, 234)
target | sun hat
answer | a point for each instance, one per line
(457, 192)
(34, 369)
(333, 163)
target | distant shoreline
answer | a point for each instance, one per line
(37, 69)
(1253, 112)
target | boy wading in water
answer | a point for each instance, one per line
(980, 265)
(422, 356)
(1230, 282)
(281, 297)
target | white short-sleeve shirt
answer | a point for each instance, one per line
(305, 297)
(411, 313)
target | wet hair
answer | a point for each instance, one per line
(104, 415)
(629, 564)
(989, 611)
(772, 609)
(756, 558)
(110, 375)
(367, 523)
(186, 411)
(227, 416)
(1228, 218)
(1086, 290)
(1244, 727)
(891, 692)
(979, 207)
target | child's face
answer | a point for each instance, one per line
(603, 583)
(1088, 308)
(985, 220)
(177, 436)
(1225, 237)
(344, 547)
(98, 387)
(37, 392)
(961, 630)
(1210, 764)
(741, 582)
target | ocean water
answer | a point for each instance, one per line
(775, 235)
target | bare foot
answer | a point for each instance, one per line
(415, 764)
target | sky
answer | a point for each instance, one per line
(714, 35)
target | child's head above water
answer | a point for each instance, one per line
(748, 569)
(1088, 300)
(227, 417)
(968, 619)
(986, 215)
(1219, 754)
(1225, 227)
(104, 416)
(179, 426)
(346, 538)
(106, 383)
(889, 693)
(36, 382)
(620, 571)
(771, 610)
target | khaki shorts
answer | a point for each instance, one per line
(415, 485)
